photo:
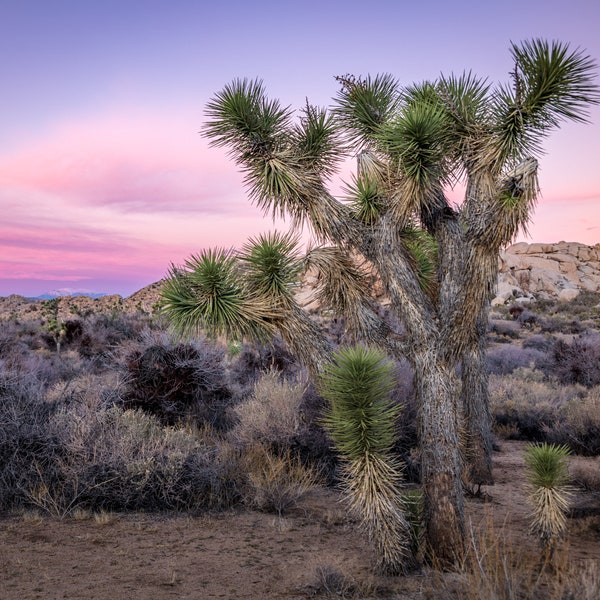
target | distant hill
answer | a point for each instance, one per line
(74, 305)
(64, 293)
(527, 271)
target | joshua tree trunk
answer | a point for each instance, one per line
(477, 417)
(440, 457)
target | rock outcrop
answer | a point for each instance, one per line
(547, 271)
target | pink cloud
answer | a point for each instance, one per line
(136, 162)
(118, 197)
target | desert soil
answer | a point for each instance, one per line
(236, 555)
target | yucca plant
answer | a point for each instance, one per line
(360, 420)
(549, 493)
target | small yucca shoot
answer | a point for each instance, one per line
(360, 420)
(549, 494)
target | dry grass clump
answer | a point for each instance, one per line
(284, 416)
(269, 428)
(496, 567)
(329, 581)
(275, 483)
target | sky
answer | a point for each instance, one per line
(105, 178)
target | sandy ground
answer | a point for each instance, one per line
(235, 555)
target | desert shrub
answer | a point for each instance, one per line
(126, 460)
(540, 342)
(586, 474)
(271, 416)
(27, 443)
(581, 305)
(24, 351)
(95, 390)
(503, 360)
(18, 337)
(528, 404)
(507, 330)
(70, 447)
(549, 324)
(285, 416)
(178, 380)
(68, 332)
(254, 359)
(104, 334)
(577, 361)
(528, 318)
(578, 425)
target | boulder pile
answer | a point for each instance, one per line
(547, 271)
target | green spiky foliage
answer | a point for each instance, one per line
(271, 267)
(549, 496)
(365, 199)
(395, 235)
(360, 420)
(244, 295)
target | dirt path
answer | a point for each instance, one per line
(237, 555)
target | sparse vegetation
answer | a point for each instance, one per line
(71, 448)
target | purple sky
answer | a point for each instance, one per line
(104, 178)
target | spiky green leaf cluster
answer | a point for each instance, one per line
(242, 117)
(237, 295)
(549, 494)
(365, 199)
(206, 293)
(548, 465)
(358, 384)
(271, 267)
(550, 84)
(417, 140)
(364, 104)
(317, 140)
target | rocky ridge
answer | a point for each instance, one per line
(527, 272)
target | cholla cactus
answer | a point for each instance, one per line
(549, 491)
(361, 423)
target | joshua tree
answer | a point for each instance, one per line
(361, 422)
(436, 263)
